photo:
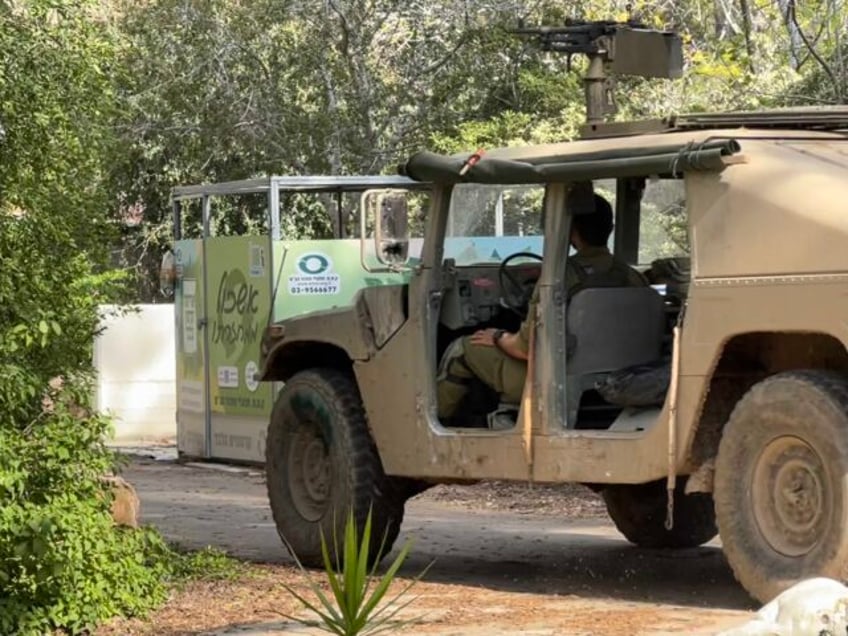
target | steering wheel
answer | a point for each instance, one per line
(519, 296)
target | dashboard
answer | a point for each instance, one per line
(472, 294)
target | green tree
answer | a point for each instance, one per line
(62, 562)
(216, 90)
(56, 59)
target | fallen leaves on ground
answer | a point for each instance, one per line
(259, 600)
(567, 501)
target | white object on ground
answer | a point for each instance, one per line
(814, 607)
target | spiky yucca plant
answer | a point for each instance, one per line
(354, 612)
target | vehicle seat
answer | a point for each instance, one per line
(609, 328)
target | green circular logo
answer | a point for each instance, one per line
(313, 264)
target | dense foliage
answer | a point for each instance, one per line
(214, 90)
(62, 561)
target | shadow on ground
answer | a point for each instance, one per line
(584, 558)
(497, 551)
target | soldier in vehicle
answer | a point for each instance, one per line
(499, 358)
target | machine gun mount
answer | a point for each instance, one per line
(627, 48)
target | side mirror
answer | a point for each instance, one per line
(168, 274)
(391, 236)
(391, 225)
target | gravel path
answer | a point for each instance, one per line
(507, 559)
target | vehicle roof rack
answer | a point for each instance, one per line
(801, 118)
(293, 183)
(819, 118)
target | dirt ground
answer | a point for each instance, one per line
(506, 559)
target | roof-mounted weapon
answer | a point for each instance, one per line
(624, 48)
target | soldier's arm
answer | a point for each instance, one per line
(513, 345)
(517, 344)
(571, 277)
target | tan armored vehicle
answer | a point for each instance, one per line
(741, 339)
(746, 324)
(713, 401)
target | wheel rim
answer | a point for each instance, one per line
(791, 496)
(310, 472)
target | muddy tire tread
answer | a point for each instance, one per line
(365, 480)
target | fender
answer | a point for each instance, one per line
(356, 331)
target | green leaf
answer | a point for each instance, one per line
(330, 620)
(335, 586)
(383, 586)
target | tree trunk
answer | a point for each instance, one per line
(746, 27)
(795, 42)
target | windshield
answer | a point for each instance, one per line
(487, 223)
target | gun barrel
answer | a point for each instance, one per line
(599, 27)
(558, 30)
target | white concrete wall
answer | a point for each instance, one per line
(136, 365)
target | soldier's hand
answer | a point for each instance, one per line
(484, 337)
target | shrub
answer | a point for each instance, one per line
(63, 562)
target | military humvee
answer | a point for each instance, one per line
(742, 431)
(750, 434)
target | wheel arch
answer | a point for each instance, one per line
(292, 357)
(745, 359)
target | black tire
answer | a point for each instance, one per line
(781, 482)
(320, 458)
(639, 513)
